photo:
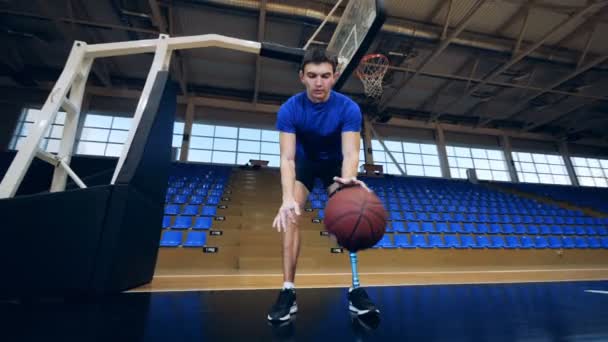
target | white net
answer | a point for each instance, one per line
(371, 71)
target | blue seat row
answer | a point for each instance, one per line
(185, 222)
(173, 238)
(191, 210)
(457, 227)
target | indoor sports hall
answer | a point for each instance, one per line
(143, 166)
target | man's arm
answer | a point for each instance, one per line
(288, 164)
(350, 153)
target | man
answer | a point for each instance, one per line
(319, 138)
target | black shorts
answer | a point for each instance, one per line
(307, 171)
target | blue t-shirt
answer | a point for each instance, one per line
(319, 126)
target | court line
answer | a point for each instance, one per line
(597, 291)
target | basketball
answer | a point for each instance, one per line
(356, 217)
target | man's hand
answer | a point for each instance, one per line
(351, 181)
(287, 213)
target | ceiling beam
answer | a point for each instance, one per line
(431, 100)
(442, 46)
(504, 67)
(258, 60)
(520, 106)
(557, 116)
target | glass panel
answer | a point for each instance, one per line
(452, 161)
(432, 171)
(481, 164)
(32, 115)
(586, 181)
(539, 158)
(60, 118)
(121, 136)
(223, 157)
(430, 160)
(273, 161)
(225, 132)
(249, 146)
(542, 168)
(114, 150)
(558, 169)
(224, 145)
(593, 162)
(501, 176)
(454, 172)
(462, 152)
(376, 146)
(379, 156)
(465, 163)
(178, 128)
(604, 163)
(199, 156)
(243, 158)
(450, 150)
(414, 170)
(361, 156)
(413, 159)
(530, 177)
(19, 143)
(101, 121)
(576, 161)
(95, 134)
(496, 155)
(597, 172)
(397, 156)
(56, 132)
(411, 147)
(268, 135)
(562, 180)
(392, 169)
(484, 174)
(527, 167)
(177, 141)
(122, 123)
(202, 130)
(546, 179)
(53, 145)
(249, 134)
(553, 159)
(25, 130)
(498, 165)
(428, 149)
(582, 171)
(524, 157)
(601, 182)
(199, 142)
(479, 153)
(393, 146)
(271, 148)
(91, 148)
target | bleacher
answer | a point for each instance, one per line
(594, 198)
(439, 213)
(193, 194)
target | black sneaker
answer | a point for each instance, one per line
(359, 302)
(284, 307)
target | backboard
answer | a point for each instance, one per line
(359, 24)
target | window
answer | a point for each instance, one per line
(591, 171)
(489, 164)
(233, 145)
(52, 138)
(415, 159)
(178, 137)
(103, 135)
(540, 168)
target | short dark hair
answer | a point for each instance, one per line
(318, 56)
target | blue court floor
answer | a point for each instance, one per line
(569, 311)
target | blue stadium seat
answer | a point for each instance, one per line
(398, 226)
(171, 238)
(533, 230)
(166, 221)
(452, 241)
(455, 227)
(541, 242)
(494, 229)
(171, 209)
(549, 220)
(202, 223)
(545, 230)
(393, 207)
(385, 242)
(555, 242)
(557, 230)
(447, 217)
(435, 240)
(190, 210)
(567, 242)
(195, 239)
(209, 210)
(423, 217)
(559, 220)
(581, 242)
(420, 241)
(427, 227)
(389, 227)
(413, 227)
(321, 214)
(511, 241)
(180, 199)
(403, 241)
(594, 242)
(212, 200)
(497, 241)
(526, 242)
(182, 222)
(396, 216)
(442, 227)
(604, 242)
(569, 230)
(317, 204)
(520, 229)
(591, 230)
(410, 216)
(482, 241)
(580, 230)
(602, 231)
(508, 228)
(196, 199)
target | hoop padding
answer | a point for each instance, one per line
(371, 71)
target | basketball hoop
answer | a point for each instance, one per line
(371, 71)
